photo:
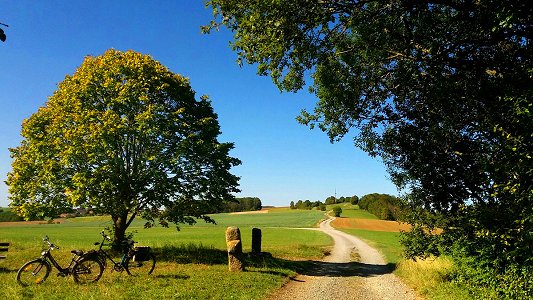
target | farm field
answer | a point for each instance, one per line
(191, 263)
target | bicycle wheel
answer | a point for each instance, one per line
(88, 269)
(138, 268)
(33, 272)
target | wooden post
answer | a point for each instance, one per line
(234, 243)
(256, 240)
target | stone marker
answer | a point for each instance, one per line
(234, 243)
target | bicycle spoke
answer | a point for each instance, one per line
(87, 270)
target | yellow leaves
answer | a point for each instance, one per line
(491, 72)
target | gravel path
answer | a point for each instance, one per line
(353, 270)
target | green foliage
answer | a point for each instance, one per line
(243, 204)
(383, 206)
(330, 200)
(337, 211)
(440, 90)
(123, 136)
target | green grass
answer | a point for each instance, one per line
(388, 243)
(192, 262)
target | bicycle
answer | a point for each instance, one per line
(135, 260)
(83, 267)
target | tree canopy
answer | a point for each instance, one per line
(123, 136)
(439, 89)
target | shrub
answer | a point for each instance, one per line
(337, 210)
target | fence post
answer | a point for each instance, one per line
(256, 240)
(234, 243)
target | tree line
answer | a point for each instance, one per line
(308, 204)
(242, 204)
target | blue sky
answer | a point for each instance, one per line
(282, 160)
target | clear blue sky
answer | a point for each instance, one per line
(282, 160)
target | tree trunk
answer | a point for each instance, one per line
(119, 228)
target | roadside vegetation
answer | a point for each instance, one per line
(434, 277)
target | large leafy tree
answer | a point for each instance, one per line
(123, 136)
(440, 89)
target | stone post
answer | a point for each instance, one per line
(256, 240)
(234, 243)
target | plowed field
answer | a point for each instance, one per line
(376, 225)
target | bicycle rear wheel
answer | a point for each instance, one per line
(88, 269)
(33, 272)
(139, 268)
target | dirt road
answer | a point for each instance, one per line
(354, 270)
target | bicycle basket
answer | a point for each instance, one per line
(141, 253)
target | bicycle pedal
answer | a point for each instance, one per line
(62, 275)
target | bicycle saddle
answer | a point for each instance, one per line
(77, 252)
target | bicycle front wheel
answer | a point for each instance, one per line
(138, 268)
(33, 272)
(87, 270)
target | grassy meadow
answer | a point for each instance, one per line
(191, 263)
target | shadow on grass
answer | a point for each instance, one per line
(174, 276)
(5, 270)
(193, 253)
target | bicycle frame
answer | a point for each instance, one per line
(47, 256)
(117, 266)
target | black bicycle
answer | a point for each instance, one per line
(136, 260)
(83, 267)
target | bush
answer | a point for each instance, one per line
(337, 211)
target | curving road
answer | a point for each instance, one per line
(353, 270)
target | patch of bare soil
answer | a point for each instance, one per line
(26, 223)
(375, 225)
(263, 211)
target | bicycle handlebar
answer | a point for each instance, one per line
(50, 245)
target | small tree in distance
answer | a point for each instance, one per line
(337, 211)
(126, 137)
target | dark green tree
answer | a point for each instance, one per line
(354, 200)
(330, 200)
(126, 137)
(337, 211)
(440, 89)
